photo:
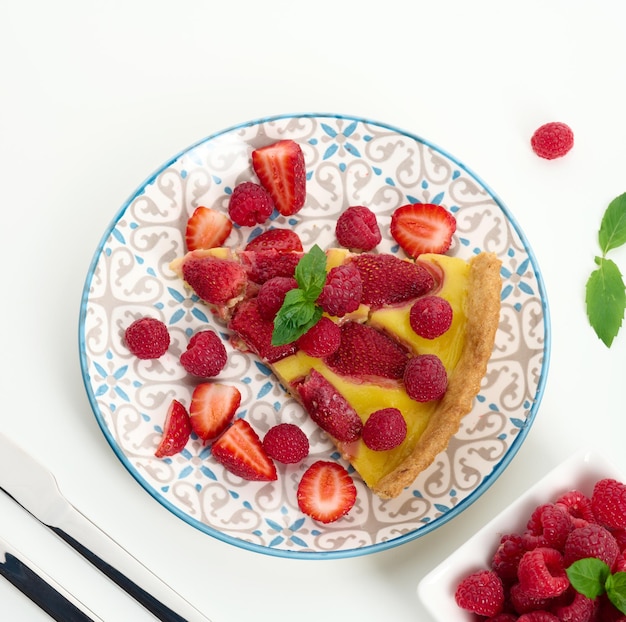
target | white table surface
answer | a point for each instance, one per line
(94, 96)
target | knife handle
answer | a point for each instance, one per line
(40, 591)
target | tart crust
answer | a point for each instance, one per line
(482, 309)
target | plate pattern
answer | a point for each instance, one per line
(349, 161)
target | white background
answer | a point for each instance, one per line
(94, 96)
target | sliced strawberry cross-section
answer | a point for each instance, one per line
(213, 406)
(422, 228)
(326, 491)
(240, 450)
(281, 170)
(207, 228)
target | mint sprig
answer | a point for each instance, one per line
(300, 312)
(592, 577)
(605, 292)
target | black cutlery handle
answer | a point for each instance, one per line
(40, 592)
(152, 604)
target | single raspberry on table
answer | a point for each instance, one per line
(608, 502)
(357, 229)
(481, 592)
(321, 340)
(542, 574)
(430, 316)
(425, 378)
(552, 140)
(250, 204)
(384, 429)
(205, 355)
(147, 338)
(286, 443)
(592, 540)
(271, 295)
(342, 290)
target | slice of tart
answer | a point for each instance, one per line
(366, 374)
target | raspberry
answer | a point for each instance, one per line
(430, 316)
(523, 602)
(205, 355)
(384, 429)
(506, 558)
(608, 502)
(549, 525)
(579, 609)
(250, 204)
(503, 617)
(425, 378)
(481, 592)
(541, 573)
(342, 291)
(286, 443)
(147, 338)
(578, 506)
(590, 541)
(538, 616)
(357, 229)
(322, 339)
(272, 295)
(552, 140)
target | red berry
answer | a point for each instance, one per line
(425, 378)
(342, 290)
(147, 338)
(384, 429)
(213, 406)
(506, 558)
(207, 228)
(542, 574)
(578, 505)
(608, 502)
(481, 592)
(552, 140)
(549, 525)
(592, 540)
(321, 340)
(430, 316)
(578, 609)
(176, 430)
(286, 443)
(250, 204)
(522, 602)
(272, 294)
(281, 240)
(357, 229)
(217, 281)
(538, 616)
(205, 355)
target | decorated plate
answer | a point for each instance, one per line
(350, 161)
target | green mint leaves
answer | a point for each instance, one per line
(605, 294)
(299, 311)
(592, 577)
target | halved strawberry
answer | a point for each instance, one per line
(282, 240)
(422, 228)
(207, 228)
(213, 406)
(240, 451)
(281, 170)
(176, 430)
(326, 491)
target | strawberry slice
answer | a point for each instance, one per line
(326, 491)
(176, 430)
(281, 170)
(212, 408)
(240, 451)
(281, 240)
(207, 228)
(422, 228)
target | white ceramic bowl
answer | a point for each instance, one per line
(436, 590)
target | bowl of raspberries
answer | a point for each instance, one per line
(558, 553)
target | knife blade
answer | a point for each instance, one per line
(35, 488)
(42, 589)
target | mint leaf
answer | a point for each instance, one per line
(588, 576)
(606, 300)
(295, 317)
(613, 226)
(311, 273)
(616, 590)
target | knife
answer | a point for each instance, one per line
(34, 487)
(42, 589)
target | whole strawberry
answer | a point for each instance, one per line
(552, 140)
(481, 592)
